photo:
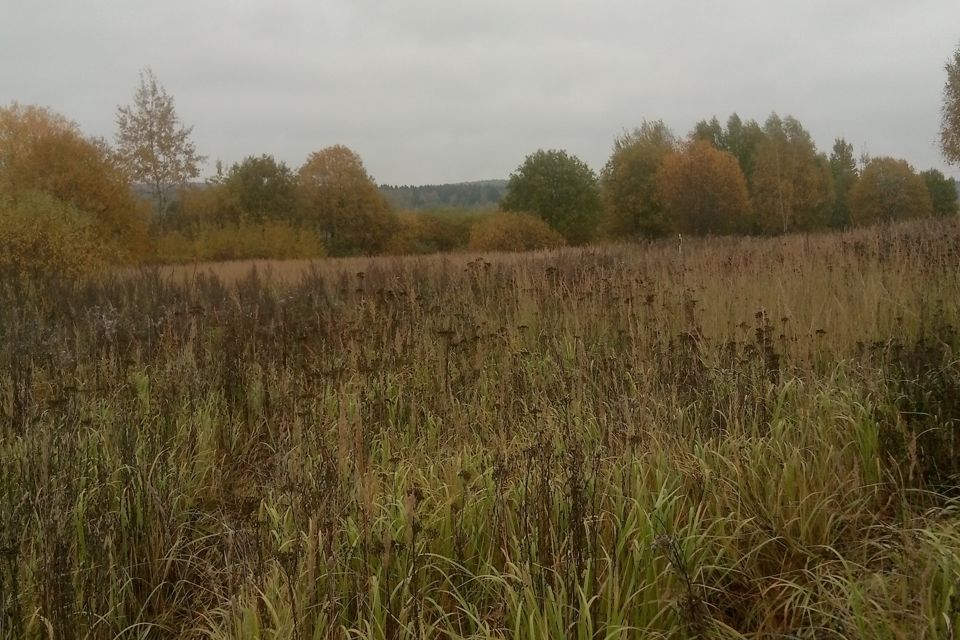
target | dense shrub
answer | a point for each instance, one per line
(41, 235)
(198, 206)
(431, 232)
(244, 241)
(41, 151)
(508, 231)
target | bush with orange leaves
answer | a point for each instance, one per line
(52, 176)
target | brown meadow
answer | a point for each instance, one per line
(729, 437)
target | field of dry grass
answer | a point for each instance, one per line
(742, 438)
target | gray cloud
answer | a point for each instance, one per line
(442, 90)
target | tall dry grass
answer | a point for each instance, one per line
(732, 438)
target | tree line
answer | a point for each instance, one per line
(67, 203)
(743, 177)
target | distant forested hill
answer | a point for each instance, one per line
(482, 194)
(465, 195)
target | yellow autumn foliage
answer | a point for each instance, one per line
(423, 232)
(42, 235)
(41, 151)
(242, 241)
(508, 231)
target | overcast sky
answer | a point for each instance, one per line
(431, 91)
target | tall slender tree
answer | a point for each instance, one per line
(153, 144)
(739, 138)
(742, 139)
(843, 167)
(791, 185)
(710, 131)
(950, 125)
